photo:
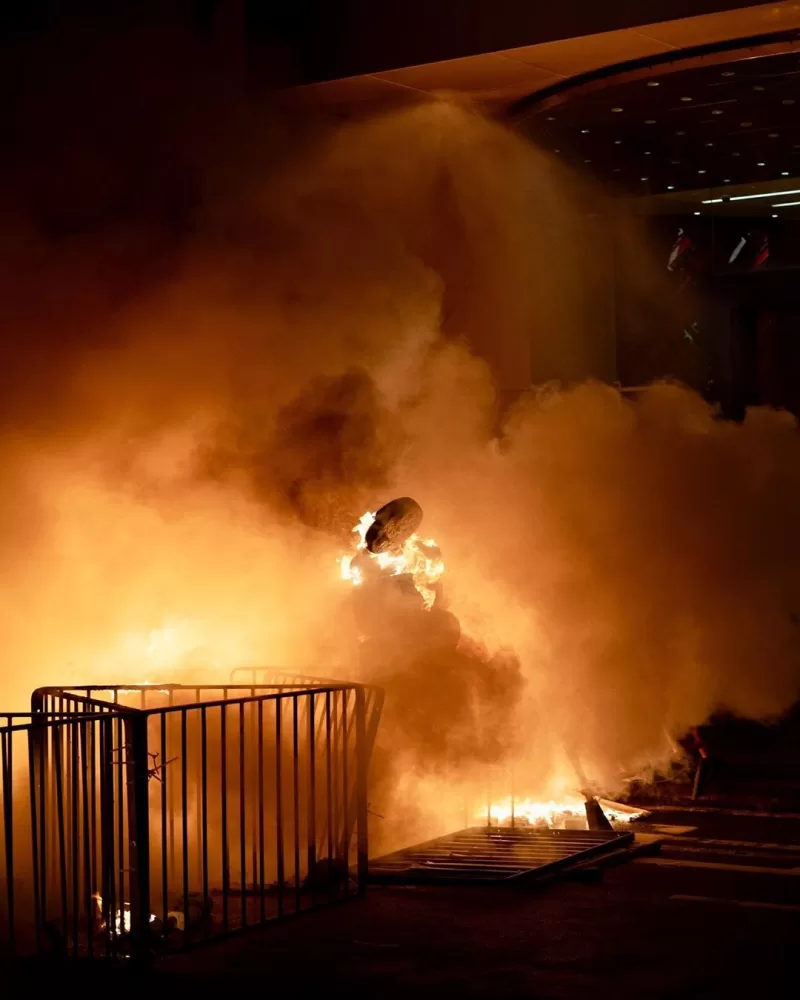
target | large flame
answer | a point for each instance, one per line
(552, 813)
(418, 557)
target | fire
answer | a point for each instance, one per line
(418, 557)
(122, 917)
(552, 813)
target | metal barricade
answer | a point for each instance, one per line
(159, 816)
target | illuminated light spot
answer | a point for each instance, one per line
(709, 144)
(745, 124)
(696, 213)
(701, 171)
(773, 135)
(758, 87)
(784, 173)
(726, 180)
(680, 133)
(760, 164)
(556, 150)
(774, 215)
(789, 100)
(618, 142)
(736, 154)
(649, 121)
(616, 110)
(670, 187)
(647, 152)
(644, 178)
(686, 98)
(717, 112)
(653, 83)
(674, 163)
(728, 72)
(587, 161)
(551, 118)
(584, 131)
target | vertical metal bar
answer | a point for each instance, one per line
(88, 846)
(118, 888)
(279, 801)
(46, 735)
(223, 785)
(260, 766)
(164, 860)
(311, 805)
(62, 847)
(96, 856)
(6, 778)
(137, 768)
(69, 733)
(346, 807)
(242, 818)
(337, 715)
(361, 791)
(34, 748)
(204, 804)
(108, 869)
(329, 782)
(184, 824)
(296, 802)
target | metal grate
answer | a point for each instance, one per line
(482, 854)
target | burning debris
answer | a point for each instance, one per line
(388, 545)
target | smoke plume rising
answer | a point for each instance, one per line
(221, 351)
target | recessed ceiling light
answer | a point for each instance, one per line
(616, 109)
(686, 98)
(670, 187)
(584, 131)
(784, 173)
(728, 72)
(717, 112)
(653, 83)
(696, 213)
(774, 215)
(701, 171)
(761, 164)
(789, 100)
(745, 124)
(644, 178)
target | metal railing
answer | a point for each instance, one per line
(159, 816)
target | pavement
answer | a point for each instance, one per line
(716, 913)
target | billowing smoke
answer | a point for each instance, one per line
(221, 350)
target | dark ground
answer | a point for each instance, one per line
(715, 914)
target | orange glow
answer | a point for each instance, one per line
(419, 557)
(551, 813)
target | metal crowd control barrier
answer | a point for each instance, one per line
(158, 816)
